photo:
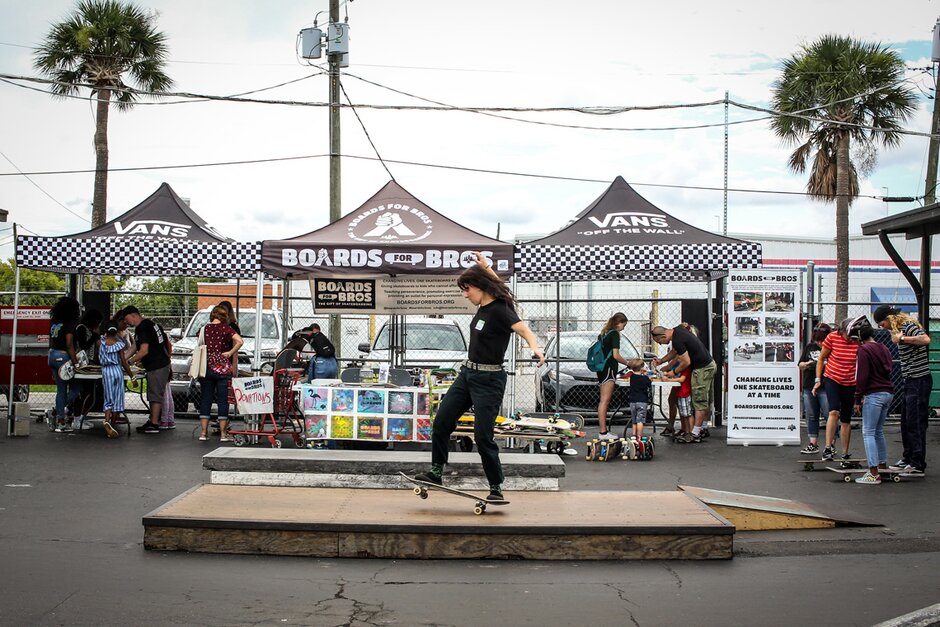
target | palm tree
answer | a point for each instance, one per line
(97, 46)
(845, 90)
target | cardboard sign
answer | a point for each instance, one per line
(254, 395)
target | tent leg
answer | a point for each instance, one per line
(11, 418)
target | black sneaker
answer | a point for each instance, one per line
(429, 477)
(810, 449)
(695, 439)
(828, 454)
(496, 494)
(148, 427)
(704, 433)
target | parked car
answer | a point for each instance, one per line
(186, 391)
(577, 386)
(429, 343)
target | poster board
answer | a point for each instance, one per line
(254, 395)
(763, 348)
(376, 414)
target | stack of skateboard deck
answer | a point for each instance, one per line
(549, 427)
(624, 448)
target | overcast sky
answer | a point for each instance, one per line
(520, 53)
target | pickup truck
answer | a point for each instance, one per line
(429, 343)
(184, 390)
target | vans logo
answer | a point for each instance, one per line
(153, 227)
(631, 219)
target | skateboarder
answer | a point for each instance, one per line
(482, 379)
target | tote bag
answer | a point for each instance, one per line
(197, 367)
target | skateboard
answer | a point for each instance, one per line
(895, 475)
(645, 448)
(810, 464)
(604, 450)
(630, 449)
(575, 421)
(423, 487)
(550, 425)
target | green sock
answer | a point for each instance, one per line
(437, 470)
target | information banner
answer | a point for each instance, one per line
(763, 347)
(389, 295)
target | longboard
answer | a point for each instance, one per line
(810, 464)
(423, 487)
(895, 475)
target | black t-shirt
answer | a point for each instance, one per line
(322, 345)
(684, 341)
(640, 385)
(490, 331)
(57, 333)
(810, 353)
(87, 340)
(152, 334)
(609, 342)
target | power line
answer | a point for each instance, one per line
(366, 131)
(37, 186)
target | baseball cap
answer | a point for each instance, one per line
(882, 312)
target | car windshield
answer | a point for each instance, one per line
(576, 347)
(438, 337)
(246, 323)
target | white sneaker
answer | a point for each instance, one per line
(607, 436)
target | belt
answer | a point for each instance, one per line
(472, 365)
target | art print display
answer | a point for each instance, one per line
(370, 401)
(369, 429)
(342, 400)
(314, 399)
(341, 427)
(401, 403)
(316, 426)
(422, 404)
(400, 429)
(423, 429)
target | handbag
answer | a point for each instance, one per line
(197, 367)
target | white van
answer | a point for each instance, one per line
(428, 343)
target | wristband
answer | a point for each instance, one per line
(818, 380)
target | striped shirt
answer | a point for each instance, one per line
(841, 364)
(914, 360)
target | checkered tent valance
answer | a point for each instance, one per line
(139, 256)
(673, 262)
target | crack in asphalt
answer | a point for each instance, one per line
(360, 613)
(623, 597)
(672, 572)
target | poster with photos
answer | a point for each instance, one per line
(763, 348)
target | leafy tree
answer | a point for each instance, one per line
(843, 90)
(99, 45)
(172, 308)
(30, 281)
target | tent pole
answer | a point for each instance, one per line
(558, 352)
(259, 304)
(11, 418)
(512, 360)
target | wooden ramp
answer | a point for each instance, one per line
(749, 512)
(332, 522)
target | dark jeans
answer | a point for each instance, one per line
(214, 387)
(484, 391)
(914, 420)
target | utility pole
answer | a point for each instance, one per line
(724, 213)
(336, 327)
(930, 184)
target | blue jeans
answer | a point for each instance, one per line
(874, 411)
(214, 387)
(914, 420)
(322, 368)
(813, 408)
(65, 391)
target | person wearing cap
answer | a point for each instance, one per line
(913, 343)
(153, 353)
(835, 375)
(814, 405)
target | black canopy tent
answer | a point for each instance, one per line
(161, 236)
(621, 236)
(392, 233)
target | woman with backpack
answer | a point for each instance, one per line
(607, 378)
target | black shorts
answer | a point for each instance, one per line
(841, 398)
(607, 374)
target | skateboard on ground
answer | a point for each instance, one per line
(543, 424)
(604, 450)
(423, 487)
(854, 464)
(644, 448)
(894, 475)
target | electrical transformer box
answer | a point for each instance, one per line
(337, 38)
(310, 43)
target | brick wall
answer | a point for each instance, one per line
(211, 293)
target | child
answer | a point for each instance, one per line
(683, 400)
(113, 367)
(639, 395)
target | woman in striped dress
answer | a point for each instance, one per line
(113, 367)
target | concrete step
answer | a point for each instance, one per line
(327, 468)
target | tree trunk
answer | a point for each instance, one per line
(99, 208)
(842, 226)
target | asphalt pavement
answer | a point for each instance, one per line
(71, 550)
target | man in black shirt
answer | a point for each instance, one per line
(153, 353)
(690, 353)
(323, 365)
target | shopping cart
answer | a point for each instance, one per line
(285, 418)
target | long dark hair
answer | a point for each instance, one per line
(614, 320)
(66, 309)
(479, 278)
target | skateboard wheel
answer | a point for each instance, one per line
(847, 478)
(479, 509)
(418, 490)
(808, 466)
(896, 478)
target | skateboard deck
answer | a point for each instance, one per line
(894, 475)
(810, 464)
(423, 487)
(575, 421)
